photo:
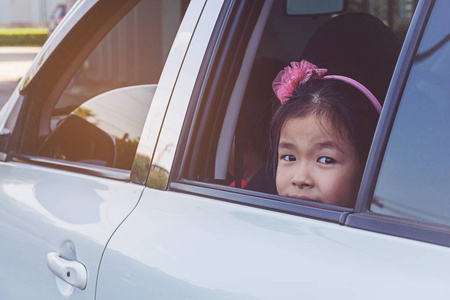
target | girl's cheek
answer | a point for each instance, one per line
(281, 186)
(284, 177)
(280, 179)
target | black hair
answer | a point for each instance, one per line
(350, 112)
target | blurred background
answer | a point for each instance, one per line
(24, 27)
(33, 13)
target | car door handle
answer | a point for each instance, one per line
(72, 272)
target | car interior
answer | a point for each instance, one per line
(361, 40)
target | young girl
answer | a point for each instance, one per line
(321, 134)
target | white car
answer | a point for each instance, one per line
(116, 149)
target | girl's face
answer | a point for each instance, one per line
(315, 165)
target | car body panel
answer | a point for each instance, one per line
(184, 246)
(45, 210)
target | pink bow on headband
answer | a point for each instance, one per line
(300, 72)
(292, 76)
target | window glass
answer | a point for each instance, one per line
(113, 88)
(413, 180)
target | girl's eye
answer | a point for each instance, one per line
(326, 160)
(288, 157)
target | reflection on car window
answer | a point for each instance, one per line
(415, 170)
(132, 53)
(113, 88)
(121, 113)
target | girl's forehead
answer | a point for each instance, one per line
(315, 129)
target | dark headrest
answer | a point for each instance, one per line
(260, 101)
(356, 45)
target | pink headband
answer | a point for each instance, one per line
(300, 72)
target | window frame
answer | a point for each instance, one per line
(218, 48)
(52, 78)
(362, 217)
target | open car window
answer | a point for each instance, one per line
(242, 105)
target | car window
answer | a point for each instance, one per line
(412, 182)
(110, 93)
(234, 117)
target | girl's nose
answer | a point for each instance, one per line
(302, 177)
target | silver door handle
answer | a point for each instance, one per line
(72, 272)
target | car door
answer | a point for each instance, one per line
(71, 130)
(192, 236)
(411, 200)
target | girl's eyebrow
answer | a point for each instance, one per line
(327, 145)
(286, 145)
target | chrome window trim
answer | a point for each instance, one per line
(302, 208)
(419, 231)
(83, 168)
